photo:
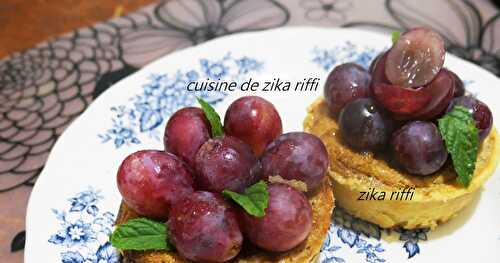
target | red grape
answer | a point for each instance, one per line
(344, 84)
(480, 112)
(151, 181)
(419, 148)
(400, 101)
(226, 163)
(253, 120)
(423, 103)
(416, 58)
(364, 125)
(287, 222)
(296, 156)
(441, 90)
(186, 131)
(204, 228)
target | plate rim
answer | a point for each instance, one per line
(44, 177)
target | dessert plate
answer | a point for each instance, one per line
(75, 201)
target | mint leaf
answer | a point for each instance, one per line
(395, 35)
(212, 117)
(461, 137)
(140, 234)
(254, 200)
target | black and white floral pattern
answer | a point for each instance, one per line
(330, 10)
(183, 23)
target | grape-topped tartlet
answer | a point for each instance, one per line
(408, 146)
(239, 192)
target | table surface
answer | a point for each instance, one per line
(53, 18)
(44, 87)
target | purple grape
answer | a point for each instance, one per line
(480, 112)
(204, 228)
(374, 62)
(459, 89)
(151, 181)
(226, 163)
(287, 222)
(186, 131)
(253, 120)
(296, 155)
(344, 84)
(419, 148)
(364, 125)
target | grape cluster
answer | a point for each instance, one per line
(183, 184)
(406, 87)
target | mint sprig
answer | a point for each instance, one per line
(254, 200)
(395, 35)
(141, 234)
(461, 137)
(213, 118)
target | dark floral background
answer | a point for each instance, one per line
(44, 88)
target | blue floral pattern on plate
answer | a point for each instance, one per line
(164, 93)
(350, 230)
(364, 237)
(327, 58)
(84, 233)
(371, 250)
(84, 230)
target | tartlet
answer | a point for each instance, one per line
(437, 198)
(322, 203)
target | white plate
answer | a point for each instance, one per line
(75, 200)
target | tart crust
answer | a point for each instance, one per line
(437, 198)
(322, 203)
